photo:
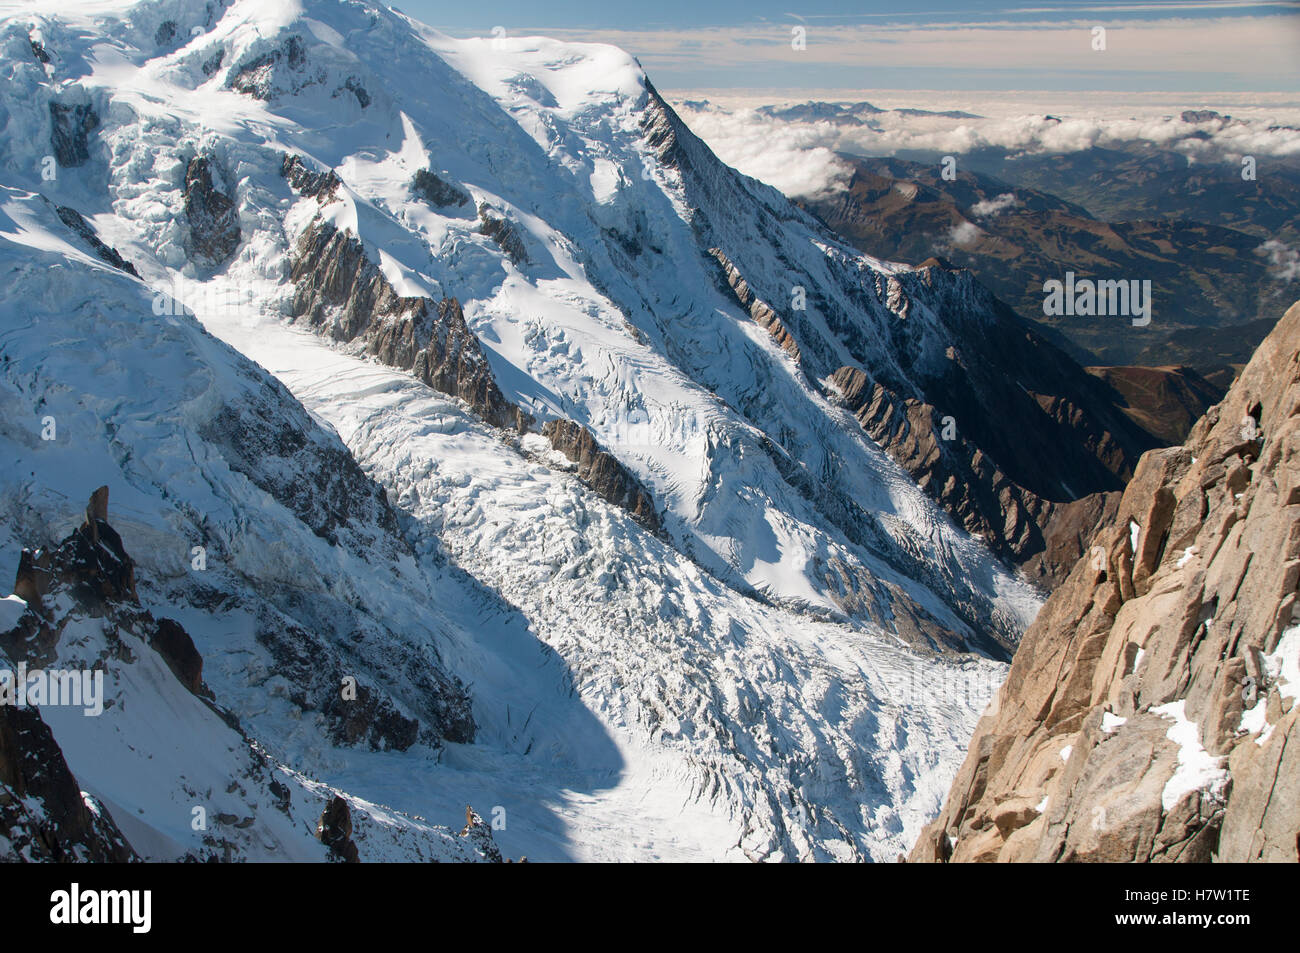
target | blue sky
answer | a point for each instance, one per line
(609, 14)
(1174, 45)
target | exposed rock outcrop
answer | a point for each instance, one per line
(75, 221)
(93, 569)
(762, 312)
(213, 62)
(602, 472)
(89, 577)
(281, 69)
(43, 814)
(344, 294)
(1067, 530)
(284, 70)
(359, 712)
(1050, 429)
(353, 85)
(173, 643)
(323, 486)
(322, 186)
(71, 126)
(479, 834)
(334, 830)
(212, 215)
(341, 292)
(503, 232)
(165, 33)
(1044, 537)
(1150, 712)
(957, 474)
(90, 563)
(437, 191)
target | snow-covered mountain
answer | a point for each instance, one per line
(476, 378)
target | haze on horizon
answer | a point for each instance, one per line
(1232, 46)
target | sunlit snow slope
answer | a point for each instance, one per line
(777, 673)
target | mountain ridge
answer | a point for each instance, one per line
(1149, 713)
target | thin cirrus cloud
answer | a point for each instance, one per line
(945, 44)
(1238, 53)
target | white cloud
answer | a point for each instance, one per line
(788, 156)
(1283, 260)
(994, 206)
(800, 158)
(964, 233)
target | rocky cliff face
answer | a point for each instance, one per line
(70, 127)
(1043, 536)
(501, 231)
(1149, 714)
(86, 232)
(343, 293)
(75, 610)
(435, 190)
(321, 185)
(960, 476)
(334, 830)
(43, 813)
(601, 471)
(212, 215)
(762, 312)
(90, 572)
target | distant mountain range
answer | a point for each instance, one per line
(1215, 287)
